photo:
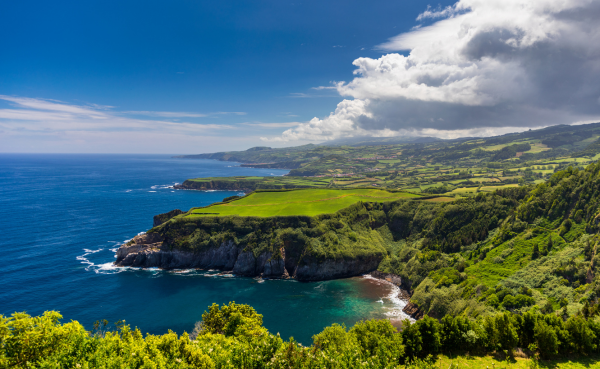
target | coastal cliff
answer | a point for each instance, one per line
(149, 250)
(239, 184)
(300, 247)
(215, 185)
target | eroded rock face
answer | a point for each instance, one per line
(311, 269)
(245, 264)
(413, 311)
(404, 285)
(275, 267)
(140, 243)
(149, 250)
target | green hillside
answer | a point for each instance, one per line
(464, 167)
(543, 253)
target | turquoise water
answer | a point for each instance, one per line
(62, 217)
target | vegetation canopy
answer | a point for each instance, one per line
(232, 336)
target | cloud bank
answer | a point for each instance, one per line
(42, 125)
(482, 67)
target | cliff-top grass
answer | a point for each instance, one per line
(308, 202)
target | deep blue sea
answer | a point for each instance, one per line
(62, 217)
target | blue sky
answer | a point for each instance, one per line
(241, 72)
(257, 57)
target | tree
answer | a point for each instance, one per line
(588, 251)
(507, 332)
(546, 338)
(536, 252)
(493, 300)
(412, 339)
(379, 339)
(564, 302)
(232, 320)
(582, 337)
(429, 329)
(547, 308)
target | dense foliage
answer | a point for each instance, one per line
(540, 250)
(232, 336)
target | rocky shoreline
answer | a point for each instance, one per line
(411, 309)
(211, 186)
(149, 250)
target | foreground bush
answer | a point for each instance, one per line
(232, 336)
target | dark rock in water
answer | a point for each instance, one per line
(413, 310)
(162, 218)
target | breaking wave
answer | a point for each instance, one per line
(393, 300)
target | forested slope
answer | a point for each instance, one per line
(542, 252)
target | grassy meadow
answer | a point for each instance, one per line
(309, 202)
(497, 362)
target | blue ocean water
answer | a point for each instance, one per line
(62, 217)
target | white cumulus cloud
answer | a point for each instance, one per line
(482, 67)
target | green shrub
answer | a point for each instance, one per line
(546, 338)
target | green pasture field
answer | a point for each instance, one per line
(537, 148)
(462, 190)
(494, 188)
(499, 362)
(494, 147)
(308, 202)
(572, 160)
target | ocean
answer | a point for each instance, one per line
(63, 216)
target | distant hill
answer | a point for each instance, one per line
(375, 141)
(352, 155)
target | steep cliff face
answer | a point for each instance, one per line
(312, 269)
(241, 185)
(150, 250)
(328, 246)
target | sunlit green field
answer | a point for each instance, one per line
(489, 362)
(299, 202)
